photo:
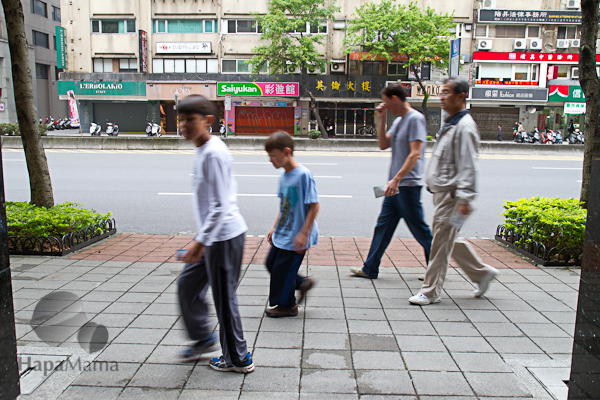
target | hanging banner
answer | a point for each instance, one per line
(454, 58)
(61, 54)
(143, 50)
(74, 111)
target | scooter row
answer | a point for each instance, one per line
(111, 129)
(55, 125)
(548, 136)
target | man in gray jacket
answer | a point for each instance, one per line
(451, 176)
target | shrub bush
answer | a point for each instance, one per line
(25, 219)
(314, 134)
(13, 129)
(551, 221)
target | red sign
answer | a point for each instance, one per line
(558, 58)
(507, 83)
(395, 57)
(552, 72)
(143, 49)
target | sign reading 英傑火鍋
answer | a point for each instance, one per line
(509, 94)
(258, 89)
(90, 88)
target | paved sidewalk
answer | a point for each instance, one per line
(353, 338)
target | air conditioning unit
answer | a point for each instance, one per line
(484, 44)
(575, 43)
(520, 44)
(575, 73)
(562, 44)
(290, 69)
(535, 44)
(338, 68)
(488, 4)
(573, 4)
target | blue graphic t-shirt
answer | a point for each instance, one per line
(297, 191)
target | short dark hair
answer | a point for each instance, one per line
(279, 141)
(459, 85)
(394, 89)
(196, 104)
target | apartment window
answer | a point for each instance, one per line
(54, 42)
(188, 66)
(457, 30)
(396, 69)
(103, 64)
(533, 31)
(521, 72)
(319, 28)
(41, 71)
(184, 26)
(39, 8)
(372, 68)
(567, 32)
(40, 39)
(495, 71)
(510, 31)
(55, 14)
(113, 26)
(481, 30)
(127, 65)
(243, 26)
(535, 72)
(563, 71)
(239, 67)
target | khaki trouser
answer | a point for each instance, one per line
(445, 245)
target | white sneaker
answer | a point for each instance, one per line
(422, 277)
(422, 300)
(484, 283)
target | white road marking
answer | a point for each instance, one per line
(332, 196)
(277, 176)
(554, 168)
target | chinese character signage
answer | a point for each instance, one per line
(554, 58)
(258, 89)
(574, 108)
(184, 47)
(61, 54)
(506, 83)
(509, 94)
(358, 56)
(566, 93)
(529, 16)
(143, 49)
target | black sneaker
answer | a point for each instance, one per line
(195, 352)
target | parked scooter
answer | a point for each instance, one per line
(95, 129)
(49, 121)
(580, 136)
(153, 129)
(222, 130)
(558, 139)
(533, 136)
(112, 129)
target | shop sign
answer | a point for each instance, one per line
(90, 88)
(510, 94)
(184, 47)
(507, 83)
(365, 56)
(574, 108)
(566, 93)
(563, 58)
(432, 89)
(407, 87)
(529, 16)
(2, 106)
(228, 103)
(61, 54)
(454, 68)
(258, 89)
(143, 50)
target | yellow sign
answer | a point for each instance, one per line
(320, 86)
(335, 85)
(351, 86)
(366, 86)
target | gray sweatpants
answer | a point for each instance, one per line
(220, 267)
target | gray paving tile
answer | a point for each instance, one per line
(555, 345)
(269, 396)
(171, 376)
(121, 352)
(496, 384)
(135, 393)
(384, 382)
(480, 362)
(324, 313)
(373, 342)
(331, 396)
(521, 345)
(474, 344)
(542, 330)
(357, 302)
(330, 325)
(373, 314)
(485, 316)
(326, 359)
(195, 394)
(413, 328)
(114, 320)
(280, 324)
(288, 340)
(328, 381)
(268, 379)
(455, 329)
(326, 341)
(441, 383)
(498, 329)
(389, 397)
(90, 393)
(122, 307)
(205, 378)
(141, 335)
(277, 357)
(324, 301)
(153, 321)
(420, 343)
(429, 361)
(369, 327)
(405, 314)
(445, 315)
(382, 360)
(108, 374)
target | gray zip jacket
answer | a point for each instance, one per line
(453, 165)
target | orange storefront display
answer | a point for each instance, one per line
(263, 120)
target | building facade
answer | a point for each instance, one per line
(41, 19)
(129, 62)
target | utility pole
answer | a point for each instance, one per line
(9, 368)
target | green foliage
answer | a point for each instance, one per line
(286, 44)
(430, 138)
(551, 221)
(25, 219)
(13, 129)
(314, 134)
(385, 28)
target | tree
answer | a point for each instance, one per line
(40, 185)
(290, 33)
(588, 79)
(387, 28)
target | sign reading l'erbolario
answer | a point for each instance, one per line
(126, 88)
(291, 89)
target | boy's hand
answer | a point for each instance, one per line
(194, 253)
(270, 237)
(300, 242)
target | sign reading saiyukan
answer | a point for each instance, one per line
(529, 16)
(258, 89)
(102, 88)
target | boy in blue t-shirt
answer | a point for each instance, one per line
(295, 228)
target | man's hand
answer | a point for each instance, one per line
(465, 209)
(392, 188)
(194, 253)
(300, 242)
(381, 107)
(270, 236)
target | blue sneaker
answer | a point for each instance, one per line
(195, 352)
(244, 367)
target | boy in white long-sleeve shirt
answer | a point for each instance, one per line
(215, 256)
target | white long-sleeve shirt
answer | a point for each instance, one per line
(214, 198)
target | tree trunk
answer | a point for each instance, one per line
(37, 165)
(425, 95)
(589, 83)
(313, 103)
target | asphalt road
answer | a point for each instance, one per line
(149, 191)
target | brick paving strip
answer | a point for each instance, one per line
(354, 338)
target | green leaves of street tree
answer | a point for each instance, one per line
(25, 219)
(288, 46)
(551, 221)
(386, 28)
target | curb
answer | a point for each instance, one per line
(257, 143)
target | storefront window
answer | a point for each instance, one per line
(521, 72)
(563, 71)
